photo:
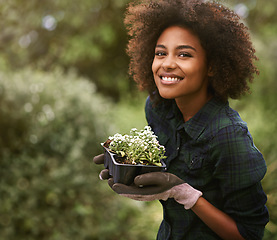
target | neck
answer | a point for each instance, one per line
(189, 107)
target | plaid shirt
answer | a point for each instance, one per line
(214, 153)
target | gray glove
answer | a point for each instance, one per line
(104, 174)
(153, 186)
(159, 186)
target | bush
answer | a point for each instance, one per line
(51, 126)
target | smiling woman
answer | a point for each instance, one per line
(192, 56)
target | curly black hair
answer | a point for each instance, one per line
(222, 34)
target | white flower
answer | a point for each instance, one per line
(139, 146)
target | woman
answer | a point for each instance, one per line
(192, 56)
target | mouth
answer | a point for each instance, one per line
(170, 80)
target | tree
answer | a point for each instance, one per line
(88, 36)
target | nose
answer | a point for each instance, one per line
(169, 62)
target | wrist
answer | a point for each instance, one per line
(186, 195)
(198, 204)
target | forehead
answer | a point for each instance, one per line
(177, 35)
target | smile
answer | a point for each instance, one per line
(170, 80)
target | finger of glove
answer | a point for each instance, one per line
(137, 197)
(99, 159)
(141, 197)
(135, 190)
(111, 182)
(162, 179)
(104, 174)
(151, 197)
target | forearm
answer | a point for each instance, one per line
(222, 224)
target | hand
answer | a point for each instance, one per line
(159, 186)
(104, 174)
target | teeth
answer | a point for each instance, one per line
(170, 79)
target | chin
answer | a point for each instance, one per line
(167, 96)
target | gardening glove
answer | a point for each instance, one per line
(159, 186)
(104, 174)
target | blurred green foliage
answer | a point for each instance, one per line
(88, 35)
(52, 118)
(51, 126)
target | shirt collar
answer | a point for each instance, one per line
(197, 124)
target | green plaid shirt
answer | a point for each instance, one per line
(214, 153)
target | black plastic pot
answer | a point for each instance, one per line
(125, 173)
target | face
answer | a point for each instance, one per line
(179, 67)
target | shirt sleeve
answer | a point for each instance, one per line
(239, 168)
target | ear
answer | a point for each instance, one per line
(211, 71)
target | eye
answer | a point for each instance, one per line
(185, 54)
(160, 53)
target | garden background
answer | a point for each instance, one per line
(64, 88)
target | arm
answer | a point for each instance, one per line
(161, 185)
(239, 169)
(223, 225)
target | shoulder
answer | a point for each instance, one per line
(228, 130)
(156, 112)
(148, 105)
(227, 119)
(230, 138)
(232, 146)
(216, 116)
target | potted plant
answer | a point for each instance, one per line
(127, 156)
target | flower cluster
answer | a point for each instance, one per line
(139, 147)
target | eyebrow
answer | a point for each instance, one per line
(179, 47)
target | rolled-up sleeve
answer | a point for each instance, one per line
(239, 168)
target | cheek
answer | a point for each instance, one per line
(154, 66)
(154, 71)
(197, 69)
